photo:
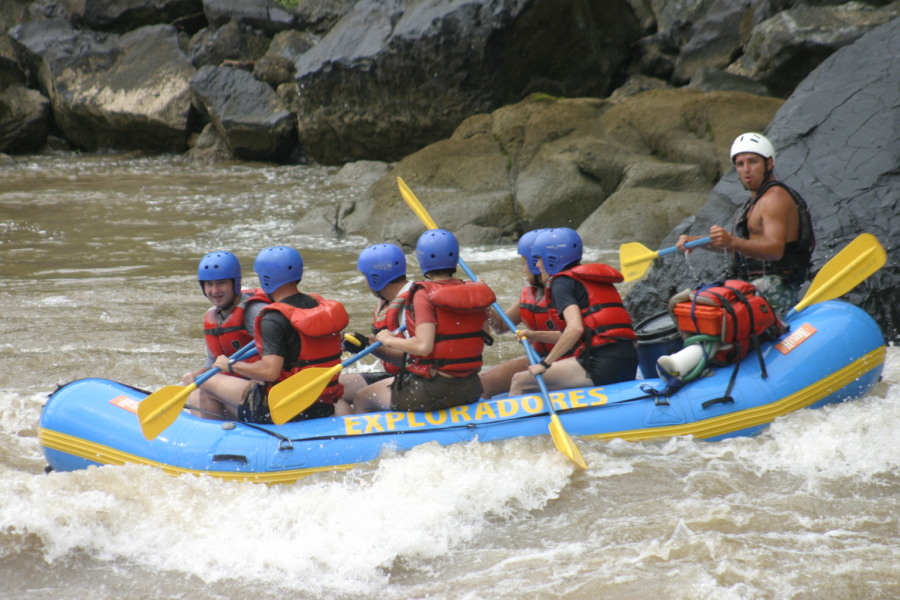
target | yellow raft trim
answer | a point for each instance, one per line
(760, 415)
(110, 456)
(715, 426)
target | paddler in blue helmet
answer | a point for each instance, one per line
(227, 325)
(597, 328)
(535, 314)
(446, 320)
(384, 268)
(295, 331)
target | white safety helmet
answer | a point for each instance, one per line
(752, 142)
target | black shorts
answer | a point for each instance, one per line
(255, 408)
(611, 363)
(422, 394)
(375, 377)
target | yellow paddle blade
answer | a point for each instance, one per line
(564, 443)
(635, 259)
(847, 269)
(160, 409)
(298, 392)
(415, 205)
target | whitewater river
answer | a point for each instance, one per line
(97, 264)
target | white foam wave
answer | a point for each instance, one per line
(342, 532)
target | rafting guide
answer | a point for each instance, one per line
(772, 241)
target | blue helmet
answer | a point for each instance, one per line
(525, 244)
(277, 266)
(381, 264)
(437, 249)
(557, 249)
(220, 265)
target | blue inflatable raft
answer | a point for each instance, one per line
(832, 352)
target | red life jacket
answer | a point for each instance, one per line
(387, 316)
(319, 329)
(605, 318)
(730, 310)
(460, 311)
(232, 334)
(539, 315)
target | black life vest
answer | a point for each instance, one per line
(795, 263)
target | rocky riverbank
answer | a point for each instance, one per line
(610, 116)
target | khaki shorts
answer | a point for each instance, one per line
(420, 394)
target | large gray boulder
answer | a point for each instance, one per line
(125, 15)
(24, 120)
(784, 49)
(266, 15)
(246, 113)
(110, 91)
(836, 141)
(232, 41)
(394, 75)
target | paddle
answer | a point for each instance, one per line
(561, 438)
(635, 258)
(298, 392)
(846, 269)
(160, 409)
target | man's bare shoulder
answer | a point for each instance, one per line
(776, 198)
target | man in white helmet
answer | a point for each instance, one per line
(772, 241)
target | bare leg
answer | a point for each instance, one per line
(342, 408)
(497, 380)
(565, 373)
(374, 397)
(221, 395)
(353, 383)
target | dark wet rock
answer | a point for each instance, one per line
(209, 146)
(13, 12)
(318, 16)
(717, 37)
(10, 72)
(266, 15)
(110, 91)
(379, 79)
(836, 147)
(121, 16)
(274, 70)
(712, 80)
(394, 75)
(232, 41)
(292, 45)
(24, 120)
(669, 13)
(784, 49)
(247, 114)
(658, 52)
